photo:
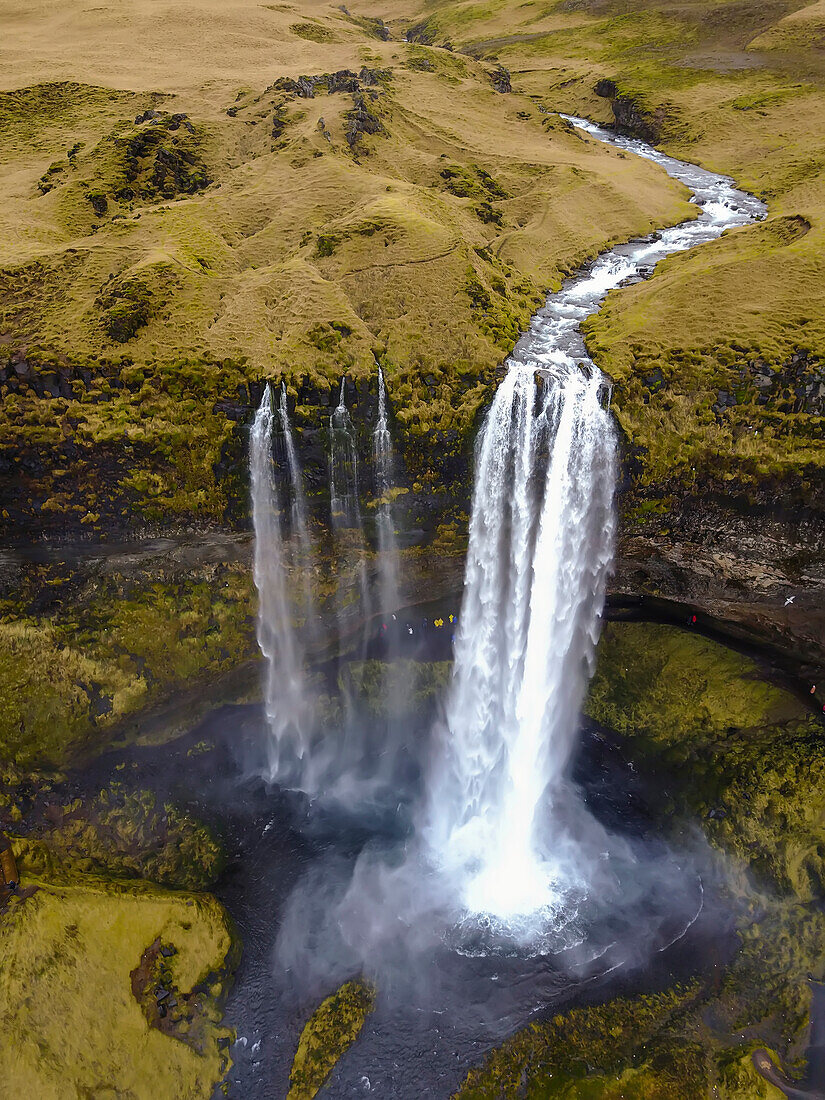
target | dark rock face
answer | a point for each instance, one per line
(756, 570)
(361, 120)
(422, 33)
(631, 118)
(500, 79)
(344, 80)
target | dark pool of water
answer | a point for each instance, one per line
(432, 1024)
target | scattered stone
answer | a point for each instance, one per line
(147, 116)
(360, 121)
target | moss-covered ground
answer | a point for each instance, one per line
(79, 654)
(73, 1024)
(119, 833)
(331, 1029)
(724, 749)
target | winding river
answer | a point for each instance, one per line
(421, 1045)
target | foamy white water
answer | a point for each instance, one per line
(303, 555)
(540, 548)
(385, 520)
(285, 699)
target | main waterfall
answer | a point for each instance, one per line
(541, 539)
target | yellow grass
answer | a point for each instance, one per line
(72, 1027)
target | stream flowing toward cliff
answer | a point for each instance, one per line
(458, 859)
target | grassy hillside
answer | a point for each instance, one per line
(165, 248)
(196, 199)
(718, 358)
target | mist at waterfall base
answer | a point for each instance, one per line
(482, 879)
(492, 862)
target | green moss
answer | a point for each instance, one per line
(312, 32)
(124, 834)
(126, 309)
(70, 677)
(573, 1054)
(395, 689)
(66, 995)
(670, 686)
(752, 750)
(330, 1031)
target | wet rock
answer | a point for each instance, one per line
(606, 88)
(631, 118)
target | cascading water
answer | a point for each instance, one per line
(287, 709)
(343, 468)
(303, 556)
(540, 546)
(541, 539)
(384, 520)
(346, 519)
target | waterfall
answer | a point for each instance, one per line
(540, 546)
(343, 468)
(384, 520)
(287, 710)
(346, 520)
(303, 557)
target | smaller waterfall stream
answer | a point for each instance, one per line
(285, 697)
(343, 467)
(303, 556)
(347, 524)
(385, 520)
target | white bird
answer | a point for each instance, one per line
(790, 599)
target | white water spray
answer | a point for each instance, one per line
(384, 520)
(346, 519)
(285, 699)
(343, 467)
(541, 540)
(303, 556)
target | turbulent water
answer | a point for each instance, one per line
(287, 709)
(541, 538)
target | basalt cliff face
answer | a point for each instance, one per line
(328, 191)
